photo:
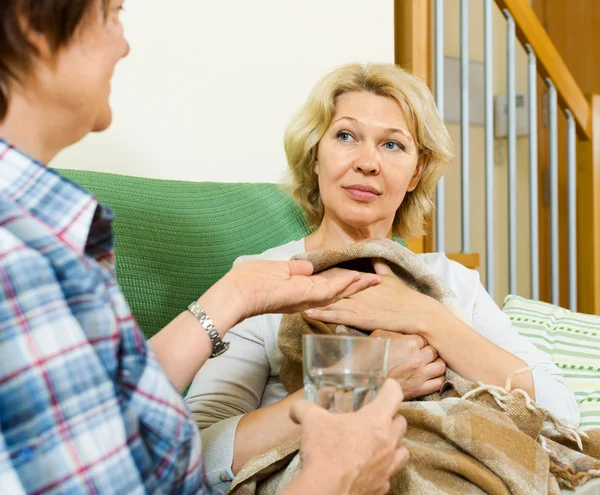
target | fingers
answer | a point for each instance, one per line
(300, 267)
(401, 456)
(399, 426)
(340, 315)
(429, 354)
(381, 267)
(384, 334)
(435, 369)
(338, 283)
(325, 316)
(401, 459)
(364, 281)
(335, 281)
(430, 386)
(385, 488)
(388, 399)
(300, 409)
(416, 341)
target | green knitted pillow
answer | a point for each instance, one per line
(572, 340)
(175, 239)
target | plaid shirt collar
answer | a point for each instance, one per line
(69, 211)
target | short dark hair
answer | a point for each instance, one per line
(57, 20)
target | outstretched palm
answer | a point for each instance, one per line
(289, 286)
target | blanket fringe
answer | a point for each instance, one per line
(500, 395)
(564, 473)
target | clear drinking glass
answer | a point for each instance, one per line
(342, 374)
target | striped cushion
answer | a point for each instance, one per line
(572, 340)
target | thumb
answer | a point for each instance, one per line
(300, 409)
(389, 398)
(381, 267)
(300, 267)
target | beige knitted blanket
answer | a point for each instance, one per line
(468, 438)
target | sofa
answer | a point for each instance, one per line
(174, 239)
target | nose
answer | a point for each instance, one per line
(368, 161)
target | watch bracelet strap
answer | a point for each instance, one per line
(218, 346)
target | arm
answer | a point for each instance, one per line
(225, 396)
(493, 328)
(250, 288)
(496, 339)
(455, 342)
(250, 437)
(551, 390)
(183, 346)
(84, 389)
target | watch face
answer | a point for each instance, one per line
(220, 348)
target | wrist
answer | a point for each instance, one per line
(223, 305)
(441, 326)
(431, 320)
(317, 481)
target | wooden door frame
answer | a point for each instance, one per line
(413, 35)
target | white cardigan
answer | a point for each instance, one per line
(246, 377)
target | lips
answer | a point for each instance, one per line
(362, 192)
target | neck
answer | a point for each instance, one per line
(33, 128)
(332, 233)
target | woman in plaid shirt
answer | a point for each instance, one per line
(87, 405)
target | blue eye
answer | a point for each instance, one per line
(344, 136)
(393, 146)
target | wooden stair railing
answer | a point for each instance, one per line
(413, 43)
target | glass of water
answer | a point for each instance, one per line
(342, 374)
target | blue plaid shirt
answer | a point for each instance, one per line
(84, 405)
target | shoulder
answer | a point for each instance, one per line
(279, 253)
(19, 260)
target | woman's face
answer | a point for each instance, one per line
(366, 161)
(76, 80)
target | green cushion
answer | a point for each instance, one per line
(175, 239)
(572, 340)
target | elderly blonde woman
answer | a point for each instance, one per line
(365, 153)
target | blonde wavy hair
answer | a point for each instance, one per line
(309, 125)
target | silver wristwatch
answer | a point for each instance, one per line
(218, 346)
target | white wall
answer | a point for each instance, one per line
(210, 85)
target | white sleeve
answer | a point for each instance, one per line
(551, 390)
(226, 388)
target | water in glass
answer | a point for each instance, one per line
(342, 392)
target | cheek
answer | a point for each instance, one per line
(397, 186)
(328, 186)
(323, 165)
(334, 162)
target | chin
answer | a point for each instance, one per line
(103, 121)
(361, 217)
(359, 222)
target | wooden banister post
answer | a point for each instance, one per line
(413, 38)
(588, 213)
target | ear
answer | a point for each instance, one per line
(37, 40)
(421, 164)
(316, 167)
